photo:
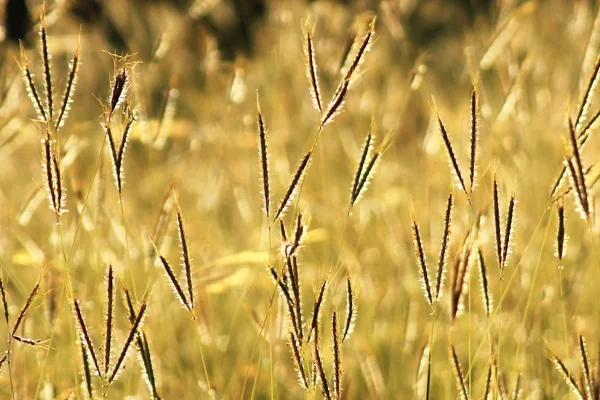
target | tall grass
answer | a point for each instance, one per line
(411, 149)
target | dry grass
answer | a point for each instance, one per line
(356, 167)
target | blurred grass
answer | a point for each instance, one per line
(423, 51)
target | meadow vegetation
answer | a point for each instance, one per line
(373, 202)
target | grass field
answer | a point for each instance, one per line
(358, 205)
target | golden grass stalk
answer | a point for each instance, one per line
(336, 103)
(452, 159)
(585, 367)
(292, 297)
(439, 281)
(32, 295)
(27, 341)
(321, 375)
(337, 357)
(132, 332)
(577, 173)
(474, 138)
(561, 237)
(316, 317)
(282, 283)
(458, 374)
(508, 234)
(87, 376)
(295, 346)
(47, 73)
(264, 160)
(421, 261)
(291, 248)
(485, 290)
(4, 303)
(119, 90)
(295, 282)
(582, 138)
(367, 148)
(368, 170)
(363, 49)
(143, 349)
(497, 225)
(108, 327)
(48, 168)
(569, 380)
(289, 195)
(311, 70)
(488, 383)
(58, 186)
(283, 233)
(175, 283)
(30, 85)
(350, 311)
(69, 89)
(459, 277)
(587, 95)
(85, 336)
(117, 155)
(185, 257)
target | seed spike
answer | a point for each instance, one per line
(47, 72)
(361, 163)
(570, 381)
(474, 137)
(69, 88)
(509, 229)
(175, 283)
(452, 159)
(4, 303)
(421, 261)
(314, 325)
(561, 236)
(289, 195)
(497, 225)
(110, 296)
(185, 257)
(485, 292)
(444, 248)
(30, 85)
(460, 378)
(585, 367)
(311, 70)
(321, 371)
(350, 311)
(85, 337)
(264, 158)
(337, 357)
(132, 332)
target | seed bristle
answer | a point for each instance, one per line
(264, 160)
(350, 311)
(439, 281)
(452, 159)
(421, 261)
(458, 373)
(311, 70)
(132, 332)
(289, 195)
